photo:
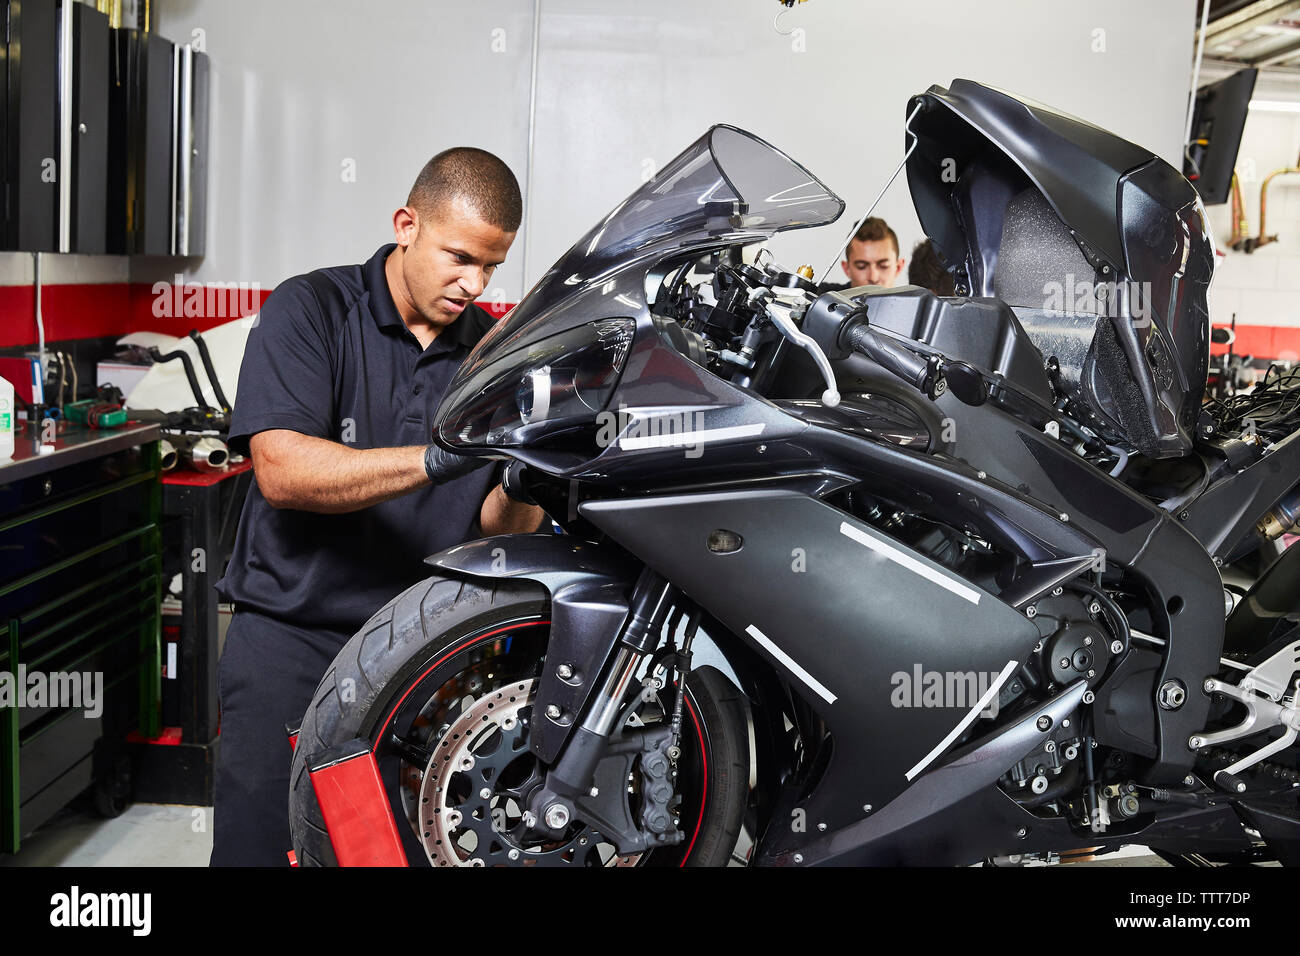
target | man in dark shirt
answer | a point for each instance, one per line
(340, 382)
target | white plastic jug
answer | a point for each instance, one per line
(7, 420)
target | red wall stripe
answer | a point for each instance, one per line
(69, 312)
(84, 311)
(208, 306)
(1264, 342)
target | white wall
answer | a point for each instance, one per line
(622, 84)
(298, 85)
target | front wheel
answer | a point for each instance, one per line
(442, 680)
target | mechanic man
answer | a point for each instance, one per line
(871, 257)
(339, 386)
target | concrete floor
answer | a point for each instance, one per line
(154, 834)
(147, 834)
(1128, 856)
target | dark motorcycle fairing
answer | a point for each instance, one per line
(982, 332)
(1227, 511)
(588, 586)
(727, 189)
(844, 611)
(1022, 198)
(988, 824)
(1129, 529)
(1076, 166)
(1031, 475)
(964, 773)
(1185, 590)
(868, 415)
(1269, 609)
(739, 588)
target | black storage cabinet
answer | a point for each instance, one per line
(140, 166)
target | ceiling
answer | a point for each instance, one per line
(1261, 33)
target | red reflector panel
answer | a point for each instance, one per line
(356, 812)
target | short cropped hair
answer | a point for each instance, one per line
(873, 230)
(475, 176)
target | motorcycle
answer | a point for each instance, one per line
(958, 558)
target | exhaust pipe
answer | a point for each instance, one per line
(1282, 518)
(207, 454)
(169, 456)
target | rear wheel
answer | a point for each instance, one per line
(442, 681)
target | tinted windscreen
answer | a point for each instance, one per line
(726, 188)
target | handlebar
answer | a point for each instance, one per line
(916, 371)
(834, 325)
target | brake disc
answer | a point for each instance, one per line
(474, 792)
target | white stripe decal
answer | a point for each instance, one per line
(909, 562)
(982, 703)
(789, 662)
(674, 439)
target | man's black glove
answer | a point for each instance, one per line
(442, 465)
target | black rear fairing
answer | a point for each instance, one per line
(1069, 225)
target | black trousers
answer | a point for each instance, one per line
(266, 677)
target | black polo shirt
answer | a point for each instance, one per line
(331, 357)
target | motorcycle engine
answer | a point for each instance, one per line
(1082, 634)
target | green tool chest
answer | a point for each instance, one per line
(80, 610)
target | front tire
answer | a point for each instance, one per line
(439, 650)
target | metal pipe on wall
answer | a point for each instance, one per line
(1263, 239)
(532, 128)
(1196, 78)
(1240, 223)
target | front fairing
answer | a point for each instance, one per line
(726, 189)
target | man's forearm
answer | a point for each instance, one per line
(501, 515)
(312, 474)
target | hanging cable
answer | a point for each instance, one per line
(776, 21)
(532, 129)
(1196, 79)
(40, 328)
(63, 377)
(907, 128)
(1270, 410)
(72, 367)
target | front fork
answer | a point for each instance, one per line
(569, 783)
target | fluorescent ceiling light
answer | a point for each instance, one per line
(1275, 106)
